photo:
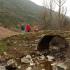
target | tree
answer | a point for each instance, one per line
(47, 12)
(51, 10)
(63, 16)
(60, 4)
(44, 15)
(44, 11)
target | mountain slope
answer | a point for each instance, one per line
(6, 33)
(15, 11)
(25, 11)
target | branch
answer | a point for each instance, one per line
(65, 11)
(56, 2)
(63, 2)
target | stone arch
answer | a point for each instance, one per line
(47, 43)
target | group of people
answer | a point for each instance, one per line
(26, 28)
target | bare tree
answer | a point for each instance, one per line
(44, 11)
(47, 12)
(44, 14)
(60, 4)
(63, 16)
(51, 10)
(51, 7)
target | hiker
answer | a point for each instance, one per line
(22, 27)
(18, 26)
(27, 28)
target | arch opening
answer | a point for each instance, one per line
(55, 45)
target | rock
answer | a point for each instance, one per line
(19, 67)
(15, 42)
(54, 67)
(59, 66)
(25, 60)
(50, 58)
(43, 69)
(32, 63)
(67, 63)
(37, 62)
(34, 45)
(36, 41)
(28, 57)
(11, 61)
(29, 68)
(20, 44)
(42, 57)
(53, 64)
(2, 68)
(15, 48)
(42, 35)
(5, 53)
(26, 45)
(62, 65)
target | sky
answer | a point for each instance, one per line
(66, 5)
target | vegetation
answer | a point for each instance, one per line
(25, 11)
(3, 47)
(18, 11)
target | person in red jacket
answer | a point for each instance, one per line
(27, 28)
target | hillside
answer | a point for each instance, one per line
(18, 11)
(19, 46)
(25, 11)
(6, 33)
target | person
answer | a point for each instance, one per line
(22, 27)
(27, 28)
(18, 27)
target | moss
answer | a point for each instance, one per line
(3, 47)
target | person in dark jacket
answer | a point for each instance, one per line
(22, 27)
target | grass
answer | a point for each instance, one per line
(3, 47)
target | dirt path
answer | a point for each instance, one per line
(4, 32)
